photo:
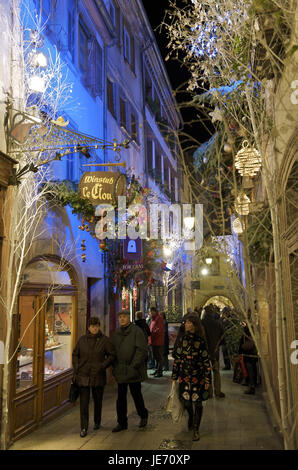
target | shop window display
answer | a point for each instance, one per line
(25, 345)
(57, 335)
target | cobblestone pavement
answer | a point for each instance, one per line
(237, 422)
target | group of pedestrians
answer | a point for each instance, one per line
(127, 352)
(195, 354)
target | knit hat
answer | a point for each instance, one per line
(124, 312)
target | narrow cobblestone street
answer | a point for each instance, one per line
(237, 422)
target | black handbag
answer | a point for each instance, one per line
(74, 392)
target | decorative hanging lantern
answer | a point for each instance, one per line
(238, 226)
(242, 204)
(248, 160)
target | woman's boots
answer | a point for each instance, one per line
(197, 422)
(189, 409)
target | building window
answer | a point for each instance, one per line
(158, 175)
(94, 81)
(134, 127)
(148, 87)
(70, 170)
(166, 175)
(128, 47)
(83, 47)
(110, 92)
(173, 192)
(150, 156)
(126, 44)
(123, 113)
(70, 33)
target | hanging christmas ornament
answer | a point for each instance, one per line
(242, 204)
(83, 248)
(248, 160)
(238, 226)
(227, 148)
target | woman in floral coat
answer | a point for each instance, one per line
(192, 370)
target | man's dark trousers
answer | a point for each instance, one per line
(97, 393)
(157, 354)
(136, 393)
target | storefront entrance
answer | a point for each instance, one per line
(44, 341)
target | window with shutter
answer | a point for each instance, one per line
(123, 113)
(134, 127)
(149, 156)
(83, 47)
(70, 33)
(166, 174)
(126, 44)
(94, 68)
(110, 93)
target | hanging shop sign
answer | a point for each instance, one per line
(132, 266)
(102, 187)
(132, 249)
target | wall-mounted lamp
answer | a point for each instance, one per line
(204, 271)
(208, 260)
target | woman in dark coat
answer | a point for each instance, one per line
(192, 370)
(248, 348)
(165, 352)
(93, 353)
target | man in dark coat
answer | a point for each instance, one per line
(141, 323)
(248, 348)
(93, 353)
(215, 337)
(129, 368)
(165, 352)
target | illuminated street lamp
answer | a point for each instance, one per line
(208, 260)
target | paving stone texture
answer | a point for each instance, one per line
(236, 422)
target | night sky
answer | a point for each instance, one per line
(177, 74)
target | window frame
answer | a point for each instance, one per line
(113, 110)
(82, 28)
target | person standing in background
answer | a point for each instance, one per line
(165, 352)
(156, 339)
(215, 337)
(141, 323)
(150, 358)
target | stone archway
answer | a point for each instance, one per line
(219, 300)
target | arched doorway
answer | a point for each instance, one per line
(220, 301)
(45, 334)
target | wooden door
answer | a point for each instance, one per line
(25, 401)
